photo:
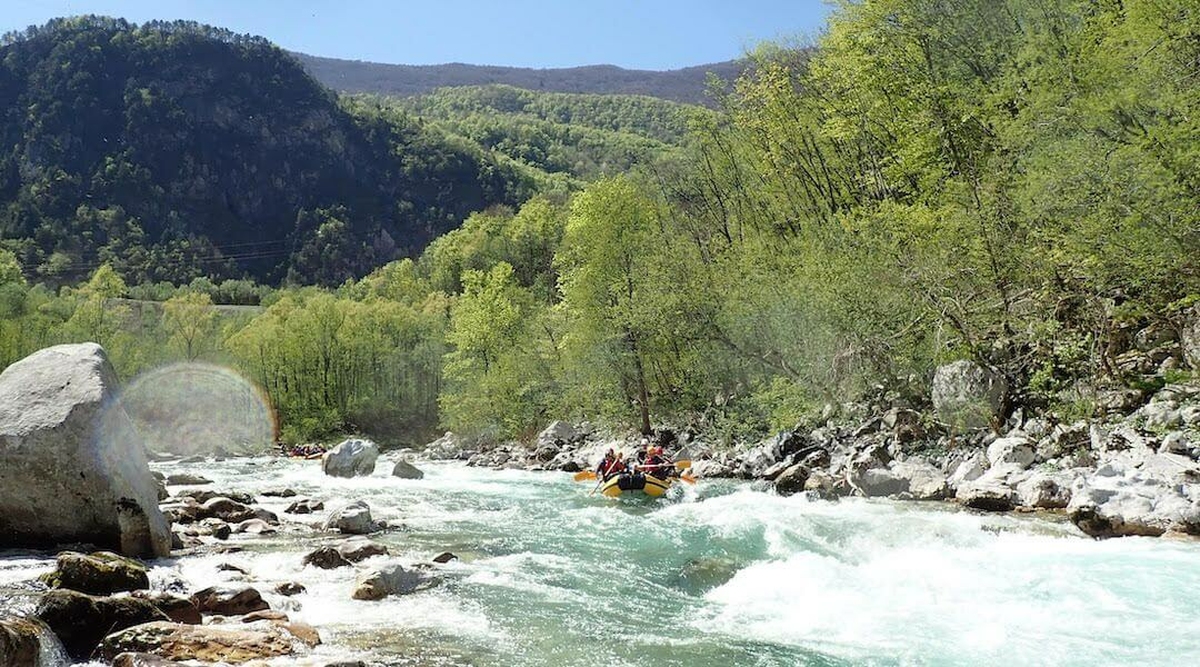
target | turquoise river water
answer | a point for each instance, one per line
(721, 573)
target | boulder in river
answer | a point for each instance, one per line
(406, 470)
(326, 558)
(359, 549)
(72, 466)
(390, 579)
(187, 479)
(22, 642)
(967, 395)
(224, 601)
(100, 573)
(350, 458)
(81, 621)
(178, 609)
(305, 506)
(205, 643)
(353, 519)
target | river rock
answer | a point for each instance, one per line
(100, 573)
(390, 579)
(326, 558)
(279, 493)
(21, 641)
(350, 458)
(968, 469)
(205, 643)
(186, 479)
(994, 491)
(1044, 491)
(923, 480)
(81, 621)
(792, 479)
(226, 509)
(877, 482)
(305, 506)
(359, 549)
(1138, 495)
(449, 446)
(255, 526)
(205, 495)
(406, 470)
(444, 557)
(142, 660)
(290, 588)
(72, 466)
(177, 609)
(224, 601)
(1015, 450)
(967, 395)
(353, 519)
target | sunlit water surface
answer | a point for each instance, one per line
(718, 574)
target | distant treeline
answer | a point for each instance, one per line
(688, 85)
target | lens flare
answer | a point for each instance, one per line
(197, 408)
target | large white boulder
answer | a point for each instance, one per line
(72, 466)
(350, 458)
(1015, 449)
(967, 395)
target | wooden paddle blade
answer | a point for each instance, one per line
(688, 478)
(683, 464)
(586, 474)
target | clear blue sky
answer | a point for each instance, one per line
(646, 34)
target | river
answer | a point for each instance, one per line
(720, 573)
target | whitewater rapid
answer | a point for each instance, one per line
(721, 573)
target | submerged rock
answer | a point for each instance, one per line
(205, 643)
(359, 549)
(81, 621)
(390, 579)
(229, 601)
(21, 641)
(406, 470)
(326, 558)
(186, 479)
(72, 466)
(177, 609)
(100, 573)
(350, 458)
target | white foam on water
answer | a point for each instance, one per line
(937, 587)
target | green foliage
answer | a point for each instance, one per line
(583, 136)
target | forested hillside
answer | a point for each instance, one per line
(175, 150)
(582, 136)
(1015, 182)
(688, 85)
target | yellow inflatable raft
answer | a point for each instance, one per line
(635, 483)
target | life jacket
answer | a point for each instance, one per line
(605, 465)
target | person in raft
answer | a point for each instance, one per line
(658, 464)
(610, 465)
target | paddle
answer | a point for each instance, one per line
(586, 474)
(683, 464)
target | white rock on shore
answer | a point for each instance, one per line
(72, 466)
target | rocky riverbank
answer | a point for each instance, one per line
(1133, 471)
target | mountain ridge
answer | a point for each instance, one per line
(687, 85)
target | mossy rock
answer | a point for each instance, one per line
(100, 573)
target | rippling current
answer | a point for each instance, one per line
(717, 574)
